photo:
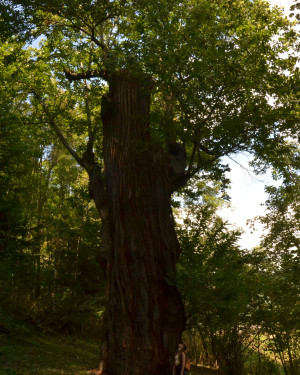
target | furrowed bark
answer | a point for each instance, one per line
(97, 190)
(145, 314)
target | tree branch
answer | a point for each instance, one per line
(182, 180)
(192, 157)
(72, 76)
(97, 188)
(57, 131)
(206, 150)
(99, 43)
(190, 173)
(91, 34)
(91, 131)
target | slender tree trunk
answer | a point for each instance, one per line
(205, 348)
(281, 354)
(145, 314)
(291, 362)
(259, 357)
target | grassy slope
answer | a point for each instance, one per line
(32, 354)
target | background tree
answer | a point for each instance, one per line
(49, 228)
(281, 243)
(241, 305)
(216, 280)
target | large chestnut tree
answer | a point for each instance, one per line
(146, 95)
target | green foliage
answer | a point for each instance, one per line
(295, 10)
(213, 67)
(49, 229)
(215, 280)
(242, 306)
(279, 312)
(283, 218)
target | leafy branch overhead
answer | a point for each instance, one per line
(220, 81)
(295, 10)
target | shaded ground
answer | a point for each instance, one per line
(34, 354)
(204, 371)
(194, 371)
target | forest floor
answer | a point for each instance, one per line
(37, 354)
(204, 371)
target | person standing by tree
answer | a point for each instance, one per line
(180, 360)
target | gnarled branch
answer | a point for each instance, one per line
(56, 129)
(97, 187)
(72, 76)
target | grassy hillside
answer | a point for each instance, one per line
(35, 354)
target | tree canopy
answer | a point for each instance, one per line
(224, 74)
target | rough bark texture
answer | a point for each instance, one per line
(145, 314)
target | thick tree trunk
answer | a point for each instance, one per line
(145, 314)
